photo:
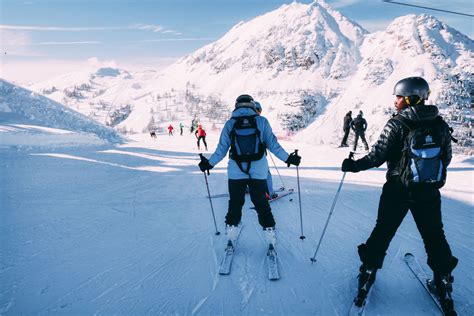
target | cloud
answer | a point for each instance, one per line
(138, 26)
(64, 43)
(56, 28)
(12, 40)
(176, 39)
(15, 43)
(96, 63)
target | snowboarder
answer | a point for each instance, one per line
(270, 194)
(347, 128)
(200, 134)
(252, 173)
(181, 126)
(359, 125)
(170, 130)
(396, 198)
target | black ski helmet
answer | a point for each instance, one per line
(244, 100)
(413, 89)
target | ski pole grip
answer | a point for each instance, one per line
(202, 158)
(351, 155)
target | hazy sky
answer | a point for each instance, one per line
(42, 37)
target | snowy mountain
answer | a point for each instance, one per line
(34, 117)
(105, 94)
(306, 63)
(294, 59)
(411, 46)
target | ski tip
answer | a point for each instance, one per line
(408, 254)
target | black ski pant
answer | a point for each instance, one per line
(346, 135)
(203, 140)
(257, 195)
(425, 207)
(362, 136)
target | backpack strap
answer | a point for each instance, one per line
(404, 122)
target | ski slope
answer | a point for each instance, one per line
(127, 229)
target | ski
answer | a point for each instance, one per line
(280, 195)
(363, 293)
(226, 263)
(227, 194)
(283, 194)
(272, 263)
(446, 305)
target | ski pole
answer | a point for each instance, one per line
(210, 199)
(279, 175)
(299, 198)
(313, 259)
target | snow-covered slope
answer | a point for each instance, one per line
(32, 117)
(102, 93)
(128, 230)
(411, 46)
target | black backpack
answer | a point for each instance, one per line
(245, 142)
(421, 164)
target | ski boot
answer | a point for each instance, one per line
(442, 286)
(365, 278)
(232, 232)
(270, 236)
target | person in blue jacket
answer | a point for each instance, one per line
(256, 177)
(271, 193)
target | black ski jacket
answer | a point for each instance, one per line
(388, 147)
(347, 121)
(359, 124)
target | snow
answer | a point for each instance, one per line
(127, 229)
(31, 118)
(93, 223)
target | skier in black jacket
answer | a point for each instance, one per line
(359, 125)
(347, 128)
(396, 200)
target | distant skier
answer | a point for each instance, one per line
(359, 125)
(271, 194)
(181, 126)
(191, 128)
(247, 135)
(200, 134)
(399, 195)
(170, 130)
(153, 134)
(347, 128)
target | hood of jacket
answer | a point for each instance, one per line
(239, 112)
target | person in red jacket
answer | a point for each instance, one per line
(200, 134)
(170, 130)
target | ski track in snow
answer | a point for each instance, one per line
(129, 230)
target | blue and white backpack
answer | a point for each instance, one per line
(421, 165)
(245, 142)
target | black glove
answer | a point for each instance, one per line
(349, 165)
(293, 159)
(204, 165)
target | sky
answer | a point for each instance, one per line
(44, 38)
